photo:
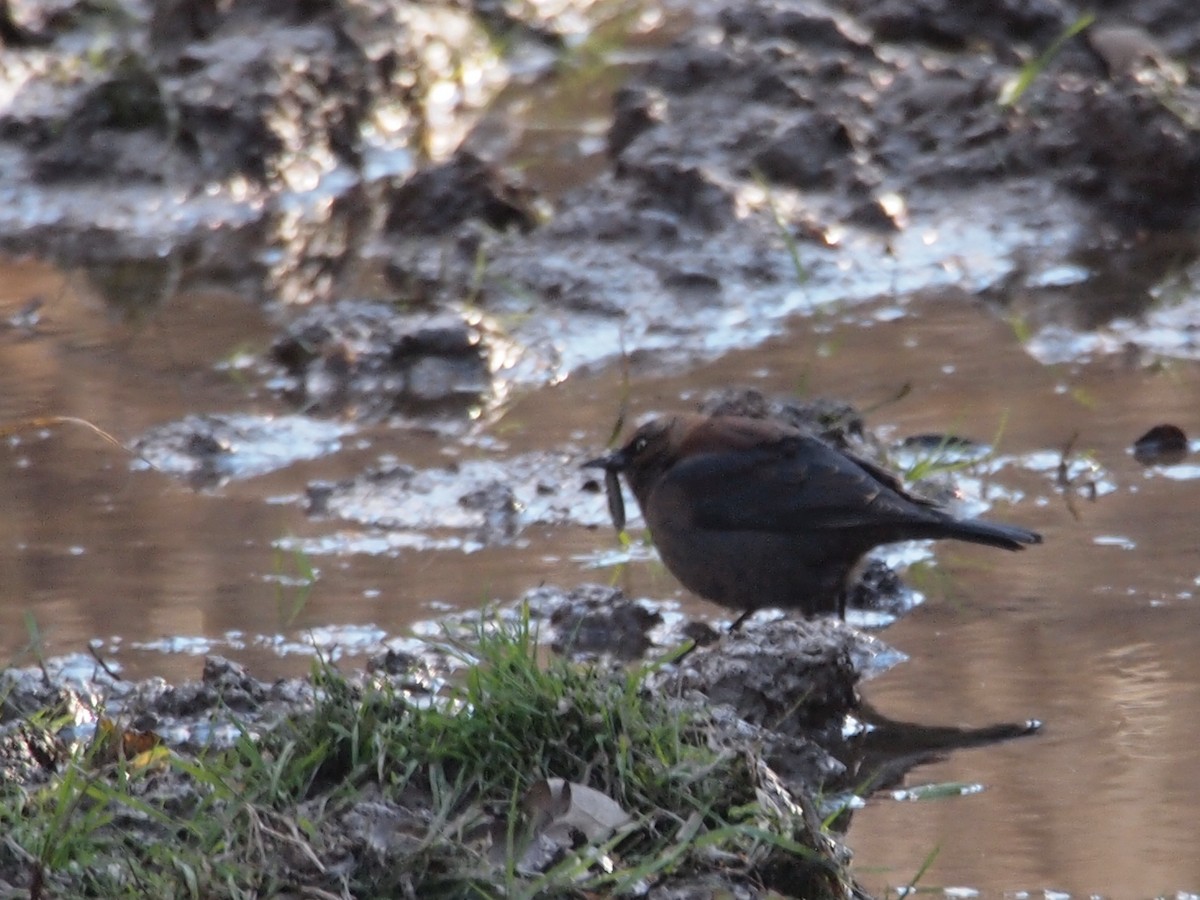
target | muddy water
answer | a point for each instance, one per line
(1093, 633)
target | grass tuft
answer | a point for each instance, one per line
(375, 792)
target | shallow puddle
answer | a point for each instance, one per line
(1091, 633)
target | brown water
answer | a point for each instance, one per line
(1094, 633)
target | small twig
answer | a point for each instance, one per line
(12, 428)
(101, 663)
(1064, 455)
(294, 838)
(904, 391)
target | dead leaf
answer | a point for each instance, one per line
(584, 809)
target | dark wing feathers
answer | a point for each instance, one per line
(798, 483)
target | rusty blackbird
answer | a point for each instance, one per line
(751, 513)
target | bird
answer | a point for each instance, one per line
(752, 513)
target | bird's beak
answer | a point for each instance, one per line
(614, 462)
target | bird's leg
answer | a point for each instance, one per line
(737, 623)
(841, 603)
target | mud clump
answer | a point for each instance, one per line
(788, 686)
(835, 421)
(1150, 177)
(795, 675)
(843, 114)
(385, 833)
(806, 153)
(467, 504)
(436, 199)
(592, 621)
(209, 450)
(216, 106)
(370, 359)
(929, 124)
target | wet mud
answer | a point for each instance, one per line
(787, 689)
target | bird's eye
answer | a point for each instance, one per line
(640, 444)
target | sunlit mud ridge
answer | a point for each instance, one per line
(801, 140)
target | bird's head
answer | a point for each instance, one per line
(644, 458)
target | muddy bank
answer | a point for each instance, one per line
(780, 695)
(786, 134)
(787, 137)
(236, 142)
(165, 738)
(770, 704)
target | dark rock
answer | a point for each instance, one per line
(691, 281)
(1161, 445)
(593, 620)
(437, 199)
(878, 588)
(317, 494)
(686, 191)
(445, 340)
(635, 110)
(500, 511)
(373, 358)
(807, 153)
(872, 214)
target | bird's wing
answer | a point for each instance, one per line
(890, 479)
(796, 484)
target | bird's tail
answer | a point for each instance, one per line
(993, 534)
